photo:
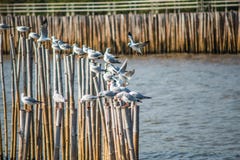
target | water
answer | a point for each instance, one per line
(195, 109)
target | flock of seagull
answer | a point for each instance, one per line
(116, 77)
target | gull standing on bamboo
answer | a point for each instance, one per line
(22, 28)
(93, 55)
(126, 97)
(109, 58)
(29, 100)
(64, 46)
(107, 94)
(139, 95)
(4, 26)
(96, 69)
(44, 32)
(58, 98)
(136, 46)
(88, 98)
(77, 50)
(33, 35)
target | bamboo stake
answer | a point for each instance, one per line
(15, 103)
(29, 59)
(120, 129)
(1, 150)
(21, 134)
(49, 91)
(4, 98)
(13, 125)
(136, 130)
(26, 133)
(80, 79)
(67, 128)
(44, 105)
(60, 110)
(128, 126)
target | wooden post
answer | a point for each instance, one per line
(57, 133)
(1, 149)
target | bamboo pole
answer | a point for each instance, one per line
(128, 126)
(136, 130)
(49, 97)
(26, 133)
(21, 133)
(66, 118)
(60, 110)
(4, 97)
(15, 102)
(1, 149)
(13, 125)
(44, 105)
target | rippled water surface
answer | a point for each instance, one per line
(195, 109)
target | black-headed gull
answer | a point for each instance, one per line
(136, 46)
(29, 100)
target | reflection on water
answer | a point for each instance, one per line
(195, 109)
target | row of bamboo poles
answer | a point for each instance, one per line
(101, 129)
(202, 32)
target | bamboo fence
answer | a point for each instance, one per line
(101, 129)
(198, 32)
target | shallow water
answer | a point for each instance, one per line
(195, 109)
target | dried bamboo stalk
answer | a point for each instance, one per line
(21, 133)
(26, 133)
(4, 97)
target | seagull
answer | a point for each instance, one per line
(58, 98)
(29, 100)
(33, 35)
(107, 94)
(88, 98)
(92, 54)
(4, 26)
(109, 58)
(96, 69)
(54, 39)
(139, 95)
(78, 50)
(85, 48)
(44, 32)
(64, 46)
(107, 76)
(126, 97)
(23, 28)
(136, 46)
(55, 46)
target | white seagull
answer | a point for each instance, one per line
(23, 28)
(126, 97)
(107, 94)
(44, 32)
(139, 95)
(29, 100)
(33, 35)
(96, 69)
(92, 54)
(64, 46)
(136, 46)
(77, 50)
(109, 58)
(88, 98)
(4, 26)
(58, 98)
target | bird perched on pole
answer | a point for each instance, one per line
(136, 46)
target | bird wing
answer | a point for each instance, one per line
(141, 44)
(130, 37)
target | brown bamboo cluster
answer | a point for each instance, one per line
(103, 128)
(200, 32)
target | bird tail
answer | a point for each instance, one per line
(146, 97)
(139, 101)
